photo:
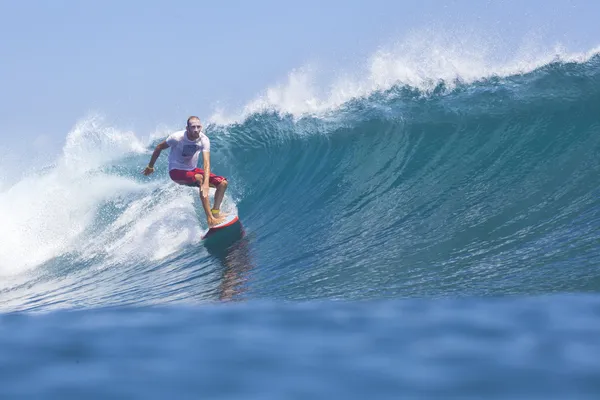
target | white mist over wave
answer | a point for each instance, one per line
(91, 145)
(422, 60)
(47, 210)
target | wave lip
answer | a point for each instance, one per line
(421, 61)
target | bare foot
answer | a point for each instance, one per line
(215, 221)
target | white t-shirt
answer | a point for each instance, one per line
(185, 152)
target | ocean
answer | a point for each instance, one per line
(438, 241)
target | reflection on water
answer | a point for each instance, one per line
(231, 248)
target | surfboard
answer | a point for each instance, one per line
(228, 224)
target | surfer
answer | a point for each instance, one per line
(186, 146)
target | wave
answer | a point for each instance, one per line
(459, 185)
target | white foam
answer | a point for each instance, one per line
(153, 226)
(148, 229)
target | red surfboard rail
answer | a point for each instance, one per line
(230, 220)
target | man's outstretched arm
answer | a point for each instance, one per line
(160, 147)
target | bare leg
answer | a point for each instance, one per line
(219, 195)
(206, 205)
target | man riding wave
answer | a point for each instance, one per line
(186, 147)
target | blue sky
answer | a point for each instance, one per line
(143, 64)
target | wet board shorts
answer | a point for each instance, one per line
(187, 178)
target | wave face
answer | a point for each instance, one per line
(482, 188)
(487, 188)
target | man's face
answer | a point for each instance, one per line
(194, 128)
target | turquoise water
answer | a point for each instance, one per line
(410, 243)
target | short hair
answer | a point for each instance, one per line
(191, 118)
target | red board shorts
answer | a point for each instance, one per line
(187, 178)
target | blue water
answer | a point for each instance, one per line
(407, 244)
(544, 347)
